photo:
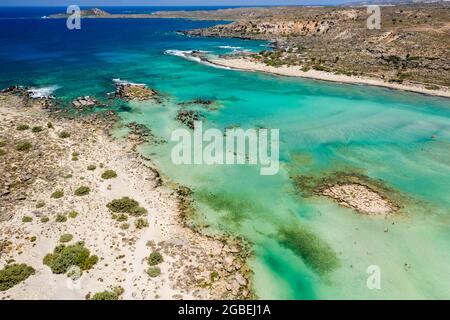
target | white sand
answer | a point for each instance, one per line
(295, 71)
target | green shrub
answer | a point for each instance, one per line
(14, 274)
(57, 194)
(124, 204)
(40, 204)
(105, 295)
(27, 219)
(432, 87)
(67, 237)
(23, 146)
(2, 152)
(36, 129)
(141, 223)
(2, 143)
(22, 127)
(92, 167)
(155, 258)
(49, 125)
(109, 174)
(64, 134)
(64, 257)
(137, 211)
(154, 272)
(61, 218)
(82, 191)
(45, 219)
(306, 68)
(125, 226)
(73, 214)
(122, 217)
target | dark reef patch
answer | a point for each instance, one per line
(315, 252)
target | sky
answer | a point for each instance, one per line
(165, 2)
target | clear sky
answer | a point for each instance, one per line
(165, 2)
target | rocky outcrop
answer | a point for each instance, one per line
(134, 91)
(188, 117)
(361, 198)
(86, 102)
(30, 96)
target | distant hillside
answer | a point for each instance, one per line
(392, 2)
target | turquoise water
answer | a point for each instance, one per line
(305, 247)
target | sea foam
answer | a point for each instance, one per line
(44, 92)
(188, 56)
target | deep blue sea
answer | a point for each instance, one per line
(400, 138)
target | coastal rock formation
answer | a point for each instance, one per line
(351, 190)
(188, 117)
(359, 197)
(133, 91)
(82, 103)
(31, 96)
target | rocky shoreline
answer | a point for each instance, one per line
(57, 184)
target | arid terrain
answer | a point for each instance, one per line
(61, 181)
(412, 46)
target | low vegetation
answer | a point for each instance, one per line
(92, 167)
(109, 174)
(125, 226)
(155, 258)
(40, 204)
(67, 237)
(23, 146)
(64, 257)
(82, 191)
(57, 194)
(36, 129)
(114, 294)
(45, 219)
(61, 218)
(141, 223)
(126, 205)
(154, 272)
(64, 134)
(73, 214)
(27, 219)
(22, 127)
(75, 156)
(14, 274)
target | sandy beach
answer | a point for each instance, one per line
(195, 266)
(246, 64)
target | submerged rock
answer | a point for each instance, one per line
(210, 105)
(188, 117)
